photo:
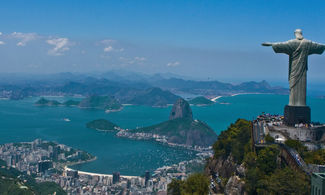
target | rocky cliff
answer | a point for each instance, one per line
(181, 109)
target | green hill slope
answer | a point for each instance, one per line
(183, 131)
(200, 101)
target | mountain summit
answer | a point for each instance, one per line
(179, 129)
(181, 109)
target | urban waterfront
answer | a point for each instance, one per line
(22, 121)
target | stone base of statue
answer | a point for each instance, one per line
(296, 115)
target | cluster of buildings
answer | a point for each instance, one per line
(48, 161)
(80, 182)
(40, 156)
(159, 138)
(274, 125)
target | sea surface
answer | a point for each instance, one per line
(22, 121)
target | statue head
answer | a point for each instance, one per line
(298, 34)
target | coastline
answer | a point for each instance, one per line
(79, 162)
(236, 94)
(161, 140)
(66, 168)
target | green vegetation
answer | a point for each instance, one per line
(315, 157)
(200, 101)
(196, 184)
(297, 145)
(14, 182)
(265, 176)
(235, 140)
(269, 139)
(183, 131)
(101, 124)
(100, 102)
(71, 103)
(46, 102)
(310, 157)
(264, 173)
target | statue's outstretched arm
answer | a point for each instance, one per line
(267, 44)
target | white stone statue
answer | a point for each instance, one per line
(298, 50)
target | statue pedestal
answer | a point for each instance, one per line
(296, 114)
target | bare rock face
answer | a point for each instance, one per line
(181, 109)
(235, 186)
(224, 167)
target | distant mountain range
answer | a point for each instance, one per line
(126, 87)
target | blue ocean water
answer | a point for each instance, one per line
(22, 121)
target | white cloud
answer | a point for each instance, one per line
(2, 43)
(0, 33)
(108, 49)
(140, 59)
(60, 46)
(24, 38)
(171, 64)
(110, 46)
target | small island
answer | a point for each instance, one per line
(102, 125)
(46, 102)
(200, 101)
(180, 130)
(109, 104)
(71, 103)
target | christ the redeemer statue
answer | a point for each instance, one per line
(298, 50)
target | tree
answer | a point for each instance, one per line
(175, 187)
(266, 159)
(235, 140)
(196, 184)
(284, 181)
(297, 145)
(269, 139)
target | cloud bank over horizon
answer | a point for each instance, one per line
(203, 39)
(35, 53)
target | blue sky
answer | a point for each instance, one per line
(206, 39)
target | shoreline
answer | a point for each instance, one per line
(66, 168)
(79, 162)
(159, 140)
(237, 94)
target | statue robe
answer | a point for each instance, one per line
(298, 51)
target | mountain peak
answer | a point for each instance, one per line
(181, 109)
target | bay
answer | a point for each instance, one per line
(22, 121)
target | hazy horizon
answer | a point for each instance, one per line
(205, 40)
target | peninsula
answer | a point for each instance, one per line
(181, 129)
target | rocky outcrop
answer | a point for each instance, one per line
(181, 109)
(235, 186)
(224, 167)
